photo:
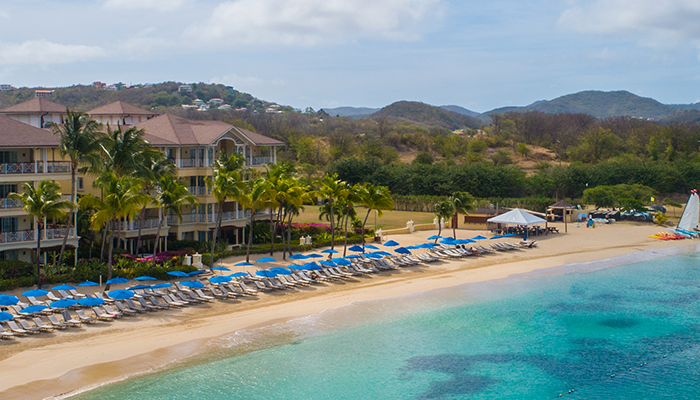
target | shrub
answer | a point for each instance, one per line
(15, 269)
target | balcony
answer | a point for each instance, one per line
(194, 163)
(9, 204)
(260, 160)
(30, 235)
(134, 225)
(208, 218)
(38, 167)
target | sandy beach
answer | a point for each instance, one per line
(51, 364)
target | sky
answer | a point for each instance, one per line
(364, 53)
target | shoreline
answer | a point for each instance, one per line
(94, 357)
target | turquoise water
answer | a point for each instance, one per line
(629, 331)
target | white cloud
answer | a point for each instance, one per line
(655, 22)
(45, 52)
(163, 5)
(309, 22)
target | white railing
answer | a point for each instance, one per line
(188, 163)
(134, 225)
(10, 203)
(201, 190)
(192, 189)
(57, 167)
(29, 235)
(260, 160)
(52, 167)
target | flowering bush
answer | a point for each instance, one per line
(310, 228)
(161, 258)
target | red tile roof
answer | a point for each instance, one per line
(119, 108)
(17, 134)
(38, 105)
(259, 139)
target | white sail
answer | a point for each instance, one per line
(691, 214)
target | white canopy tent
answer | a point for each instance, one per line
(517, 217)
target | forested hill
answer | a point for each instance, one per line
(427, 115)
(600, 105)
(461, 110)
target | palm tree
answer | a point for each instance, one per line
(226, 182)
(374, 198)
(155, 166)
(349, 210)
(124, 152)
(255, 198)
(443, 210)
(79, 140)
(462, 202)
(331, 189)
(171, 196)
(122, 199)
(278, 175)
(42, 202)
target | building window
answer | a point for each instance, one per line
(8, 224)
(8, 157)
(80, 183)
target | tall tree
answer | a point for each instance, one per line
(255, 198)
(155, 166)
(443, 210)
(171, 195)
(376, 198)
(349, 211)
(42, 202)
(79, 140)
(462, 202)
(331, 189)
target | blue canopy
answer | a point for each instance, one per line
(33, 309)
(139, 287)
(342, 261)
(298, 257)
(242, 264)
(435, 237)
(402, 250)
(219, 269)
(372, 255)
(392, 243)
(8, 300)
(329, 251)
(312, 266)
(121, 294)
(220, 279)
(35, 293)
(63, 303)
(117, 280)
(90, 301)
(371, 246)
(496, 237)
(479, 237)
(449, 239)
(383, 253)
(239, 274)
(6, 316)
(197, 272)
(87, 283)
(265, 273)
(281, 271)
(314, 255)
(266, 259)
(63, 287)
(194, 284)
(352, 256)
(178, 273)
(356, 248)
(328, 263)
(145, 278)
(161, 285)
(509, 235)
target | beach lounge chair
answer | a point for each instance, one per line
(52, 296)
(201, 295)
(233, 289)
(16, 329)
(133, 306)
(42, 325)
(5, 334)
(168, 299)
(64, 294)
(144, 304)
(218, 293)
(181, 297)
(33, 301)
(25, 325)
(260, 286)
(102, 315)
(246, 288)
(76, 295)
(85, 318)
(68, 319)
(155, 300)
(112, 311)
(229, 294)
(124, 309)
(100, 295)
(56, 323)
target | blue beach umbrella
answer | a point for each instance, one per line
(281, 271)
(402, 250)
(435, 237)
(383, 253)
(342, 261)
(352, 256)
(87, 283)
(121, 294)
(242, 264)
(266, 260)
(6, 316)
(35, 293)
(63, 287)
(371, 246)
(177, 273)
(296, 267)
(195, 284)
(265, 273)
(328, 263)
(312, 266)
(479, 237)
(137, 287)
(239, 274)
(63, 303)
(314, 255)
(510, 235)
(117, 280)
(197, 272)
(356, 248)
(33, 309)
(219, 269)
(329, 251)
(372, 255)
(220, 279)
(298, 257)
(392, 243)
(91, 301)
(8, 300)
(145, 278)
(161, 285)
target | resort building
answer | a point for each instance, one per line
(43, 93)
(28, 154)
(36, 112)
(120, 113)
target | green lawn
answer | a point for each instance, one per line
(389, 219)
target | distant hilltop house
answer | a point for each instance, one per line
(189, 106)
(273, 109)
(242, 109)
(6, 88)
(99, 85)
(216, 101)
(224, 107)
(230, 89)
(43, 94)
(184, 89)
(198, 102)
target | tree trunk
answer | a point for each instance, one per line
(38, 254)
(109, 262)
(250, 235)
(157, 239)
(369, 210)
(142, 215)
(282, 226)
(332, 227)
(272, 233)
(104, 241)
(454, 226)
(217, 226)
(289, 233)
(70, 214)
(345, 245)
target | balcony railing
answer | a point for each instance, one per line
(30, 235)
(6, 204)
(194, 163)
(134, 225)
(209, 218)
(52, 167)
(260, 160)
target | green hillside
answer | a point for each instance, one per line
(427, 115)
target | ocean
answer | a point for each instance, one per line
(603, 330)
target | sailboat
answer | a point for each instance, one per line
(688, 224)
